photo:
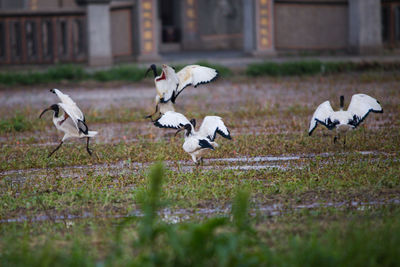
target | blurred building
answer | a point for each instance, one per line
(101, 32)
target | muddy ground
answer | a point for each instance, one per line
(278, 110)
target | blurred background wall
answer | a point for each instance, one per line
(101, 32)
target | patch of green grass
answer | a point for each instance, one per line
(106, 190)
(17, 123)
(301, 68)
(130, 73)
(76, 73)
(320, 237)
(53, 74)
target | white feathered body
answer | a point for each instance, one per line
(197, 143)
(343, 117)
(69, 129)
(344, 120)
(70, 118)
(192, 147)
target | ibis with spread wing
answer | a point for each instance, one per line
(68, 118)
(170, 84)
(197, 143)
(344, 120)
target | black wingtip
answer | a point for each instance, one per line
(52, 90)
(227, 136)
(157, 124)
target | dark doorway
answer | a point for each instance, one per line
(169, 13)
(391, 23)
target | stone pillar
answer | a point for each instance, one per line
(365, 35)
(190, 34)
(258, 30)
(99, 32)
(146, 34)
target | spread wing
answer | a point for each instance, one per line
(211, 126)
(171, 119)
(322, 115)
(194, 75)
(166, 84)
(69, 105)
(70, 108)
(360, 106)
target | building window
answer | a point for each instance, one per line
(47, 39)
(63, 48)
(2, 41)
(385, 23)
(397, 24)
(31, 47)
(16, 40)
(79, 45)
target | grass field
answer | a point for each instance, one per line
(271, 196)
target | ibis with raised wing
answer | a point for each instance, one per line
(344, 120)
(68, 118)
(170, 84)
(197, 143)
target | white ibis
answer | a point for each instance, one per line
(69, 119)
(197, 143)
(170, 84)
(360, 106)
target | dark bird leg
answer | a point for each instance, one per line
(201, 161)
(87, 146)
(151, 115)
(55, 149)
(344, 142)
(335, 139)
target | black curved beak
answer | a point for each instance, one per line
(153, 68)
(179, 130)
(47, 109)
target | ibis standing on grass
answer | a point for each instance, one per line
(68, 118)
(197, 143)
(170, 84)
(343, 121)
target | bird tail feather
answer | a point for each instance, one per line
(91, 133)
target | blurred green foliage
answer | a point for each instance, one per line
(76, 73)
(300, 68)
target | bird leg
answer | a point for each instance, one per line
(55, 149)
(87, 147)
(344, 142)
(151, 115)
(335, 139)
(201, 161)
